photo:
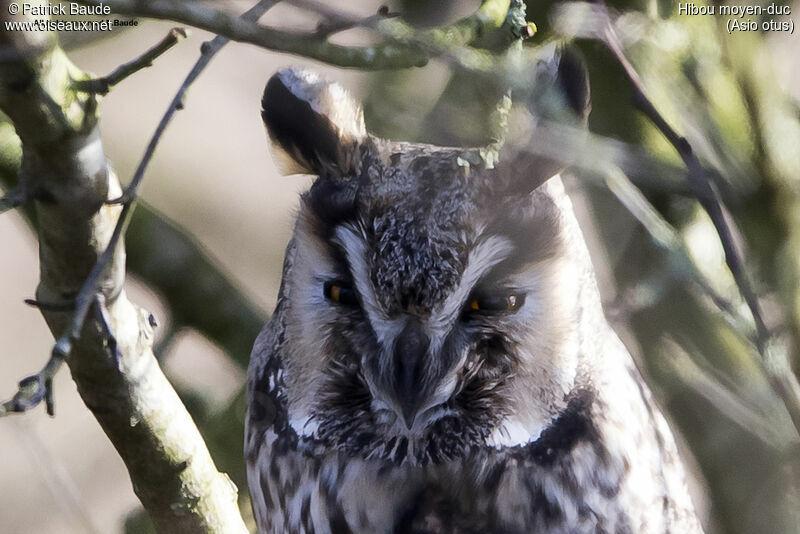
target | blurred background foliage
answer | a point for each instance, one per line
(734, 97)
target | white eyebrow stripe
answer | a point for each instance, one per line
(352, 239)
(481, 259)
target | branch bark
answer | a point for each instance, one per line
(197, 291)
(402, 48)
(64, 170)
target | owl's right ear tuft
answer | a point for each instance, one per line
(560, 94)
(315, 126)
(573, 80)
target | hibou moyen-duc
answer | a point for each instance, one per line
(438, 360)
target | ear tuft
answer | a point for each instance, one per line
(315, 126)
(559, 94)
(573, 80)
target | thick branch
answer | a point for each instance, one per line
(403, 47)
(65, 167)
(197, 291)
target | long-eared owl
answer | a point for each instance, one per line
(438, 360)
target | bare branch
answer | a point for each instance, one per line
(109, 352)
(36, 388)
(88, 292)
(665, 236)
(170, 261)
(785, 384)
(698, 181)
(402, 48)
(207, 51)
(332, 26)
(103, 85)
(13, 199)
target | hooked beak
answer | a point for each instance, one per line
(408, 382)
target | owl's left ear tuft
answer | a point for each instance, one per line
(560, 94)
(315, 126)
(573, 80)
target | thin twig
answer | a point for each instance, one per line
(207, 51)
(204, 16)
(88, 291)
(51, 306)
(36, 388)
(698, 182)
(666, 237)
(128, 198)
(103, 85)
(13, 199)
(785, 384)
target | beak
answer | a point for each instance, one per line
(408, 383)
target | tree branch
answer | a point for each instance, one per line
(14, 199)
(402, 48)
(207, 52)
(665, 236)
(332, 26)
(784, 383)
(116, 374)
(196, 289)
(103, 85)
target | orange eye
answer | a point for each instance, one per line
(340, 293)
(335, 292)
(503, 303)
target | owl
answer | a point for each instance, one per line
(438, 360)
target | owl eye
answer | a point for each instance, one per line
(496, 303)
(340, 293)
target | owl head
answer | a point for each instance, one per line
(429, 298)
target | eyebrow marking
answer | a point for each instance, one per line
(482, 258)
(351, 238)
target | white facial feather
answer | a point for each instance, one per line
(352, 239)
(541, 329)
(485, 255)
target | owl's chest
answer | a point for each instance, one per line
(298, 493)
(490, 491)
